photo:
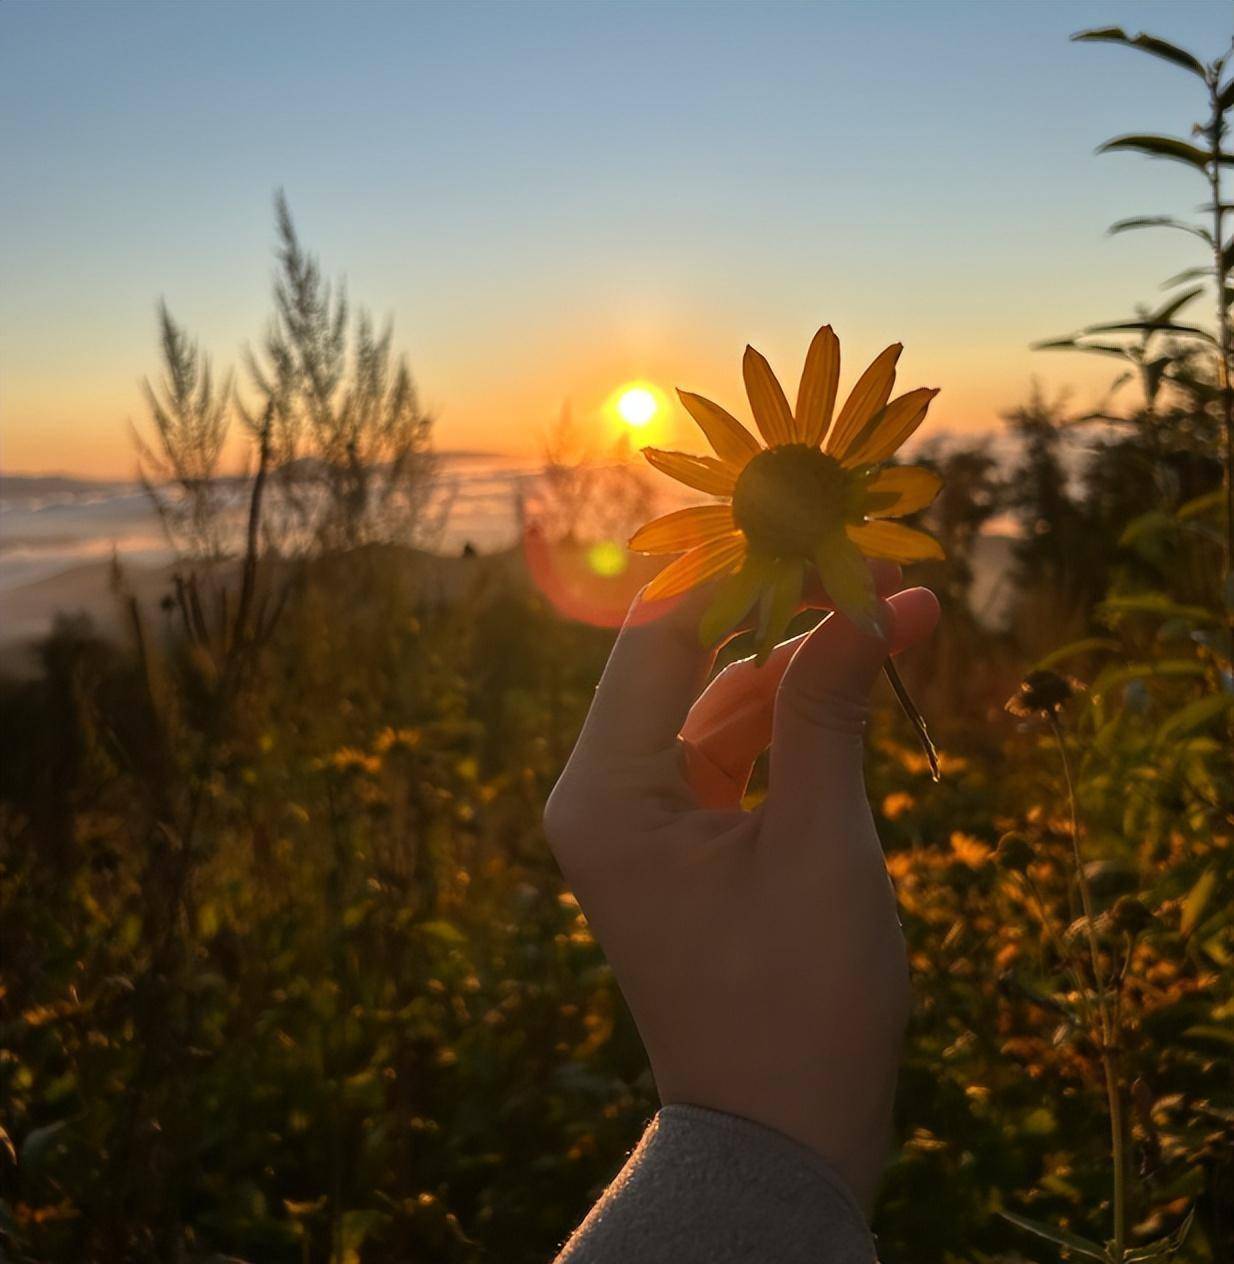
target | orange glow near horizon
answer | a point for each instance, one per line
(81, 426)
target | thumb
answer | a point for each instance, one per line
(823, 702)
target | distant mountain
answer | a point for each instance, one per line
(31, 486)
(27, 486)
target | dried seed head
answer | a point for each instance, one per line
(1042, 693)
(1015, 853)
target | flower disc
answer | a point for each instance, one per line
(789, 499)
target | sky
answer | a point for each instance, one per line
(552, 199)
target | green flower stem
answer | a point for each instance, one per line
(1060, 948)
(1107, 1033)
(915, 717)
(1216, 131)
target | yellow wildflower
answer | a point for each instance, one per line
(813, 495)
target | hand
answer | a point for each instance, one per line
(759, 952)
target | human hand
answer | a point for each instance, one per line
(759, 952)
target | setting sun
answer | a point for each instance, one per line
(637, 406)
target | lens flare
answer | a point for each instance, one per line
(592, 583)
(608, 558)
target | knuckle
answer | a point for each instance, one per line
(825, 707)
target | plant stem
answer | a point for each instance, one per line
(1105, 1030)
(1113, 1093)
(1064, 954)
(1216, 130)
(1086, 898)
(915, 717)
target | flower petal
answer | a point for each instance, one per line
(683, 529)
(895, 541)
(866, 398)
(703, 473)
(729, 439)
(778, 605)
(899, 490)
(816, 395)
(848, 582)
(698, 565)
(767, 402)
(884, 433)
(734, 598)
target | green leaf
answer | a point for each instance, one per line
(1112, 677)
(1200, 505)
(734, 599)
(1060, 1237)
(37, 1148)
(1151, 327)
(1156, 603)
(1147, 524)
(1089, 645)
(1146, 44)
(1195, 714)
(1163, 147)
(1197, 900)
(1177, 303)
(1208, 1031)
(1159, 221)
(778, 605)
(444, 932)
(846, 577)
(1070, 344)
(1166, 1246)
(1187, 274)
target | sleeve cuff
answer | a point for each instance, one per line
(714, 1188)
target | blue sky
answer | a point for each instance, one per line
(551, 198)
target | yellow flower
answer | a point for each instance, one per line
(798, 501)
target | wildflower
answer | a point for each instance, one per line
(969, 850)
(348, 759)
(1042, 693)
(813, 496)
(896, 804)
(1130, 915)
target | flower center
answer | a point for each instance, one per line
(790, 498)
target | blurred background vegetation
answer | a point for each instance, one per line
(289, 974)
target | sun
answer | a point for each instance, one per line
(636, 406)
(637, 412)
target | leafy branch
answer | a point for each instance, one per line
(1207, 158)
